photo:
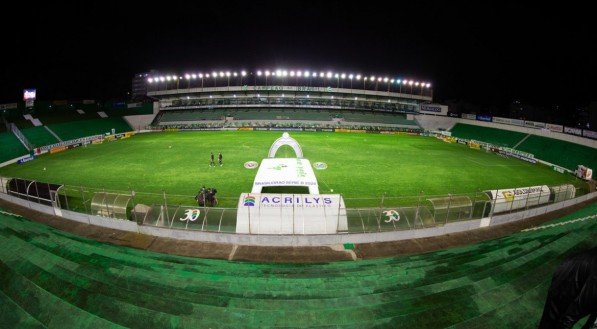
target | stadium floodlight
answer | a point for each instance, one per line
(410, 82)
(150, 80)
(207, 75)
(291, 73)
(417, 83)
(314, 74)
(168, 78)
(162, 79)
(358, 77)
(284, 73)
(187, 76)
(214, 74)
(201, 75)
(298, 73)
(194, 76)
(385, 79)
(278, 72)
(234, 74)
(274, 74)
(336, 75)
(258, 73)
(222, 74)
(365, 79)
(243, 73)
(306, 74)
(266, 73)
(343, 76)
(392, 81)
(329, 75)
(379, 79)
(398, 81)
(428, 85)
(321, 74)
(372, 78)
(404, 82)
(350, 76)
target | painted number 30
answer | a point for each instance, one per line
(192, 215)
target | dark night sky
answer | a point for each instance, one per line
(488, 53)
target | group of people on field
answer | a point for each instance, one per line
(212, 162)
(207, 197)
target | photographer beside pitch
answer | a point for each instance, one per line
(573, 293)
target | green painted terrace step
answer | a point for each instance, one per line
(53, 278)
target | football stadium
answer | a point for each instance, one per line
(285, 198)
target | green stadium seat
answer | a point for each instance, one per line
(39, 136)
(559, 152)
(60, 279)
(10, 147)
(77, 129)
(498, 137)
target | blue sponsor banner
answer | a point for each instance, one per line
(481, 117)
(26, 159)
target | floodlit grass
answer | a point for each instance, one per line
(363, 166)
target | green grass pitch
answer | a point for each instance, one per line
(362, 167)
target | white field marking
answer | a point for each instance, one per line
(9, 213)
(493, 165)
(561, 223)
(232, 252)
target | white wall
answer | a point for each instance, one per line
(139, 122)
(435, 122)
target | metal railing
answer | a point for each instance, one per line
(364, 215)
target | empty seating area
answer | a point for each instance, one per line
(493, 136)
(283, 114)
(562, 153)
(179, 116)
(190, 115)
(39, 136)
(83, 128)
(10, 147)
(378, 117)
(50, 278)
(51, 113)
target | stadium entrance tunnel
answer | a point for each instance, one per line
(38, 192)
